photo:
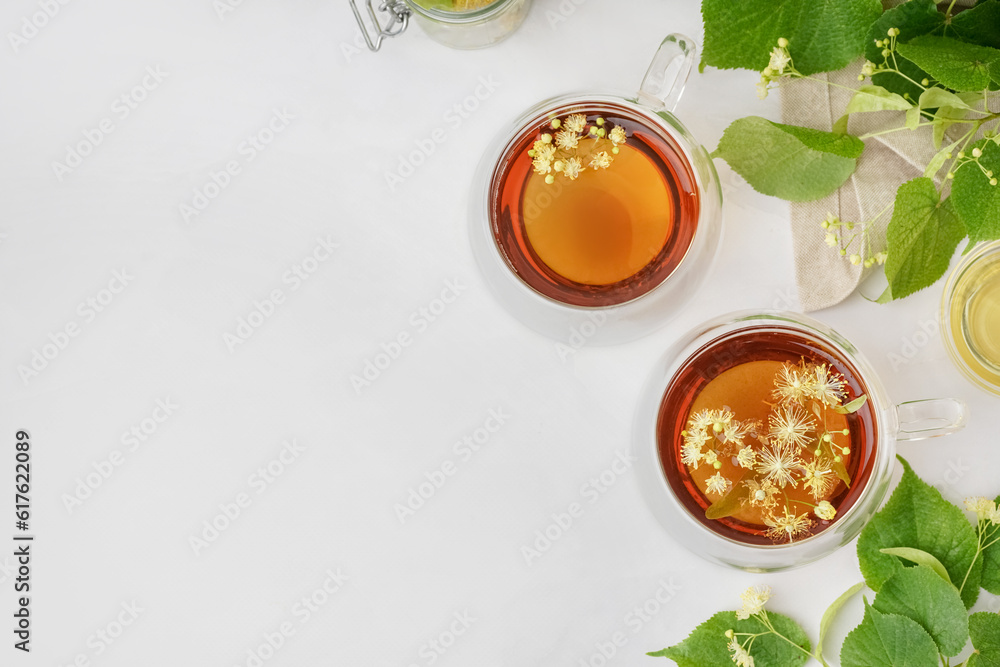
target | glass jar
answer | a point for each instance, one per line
(459, 24)
(970, 316)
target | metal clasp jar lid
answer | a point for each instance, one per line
(398, 20)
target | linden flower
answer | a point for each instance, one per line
(789, 426)
(747, 457)
(830, 240)
(541, 166)
(718, 484)
(761, 495)
(778, 464)
(762, 90)
(617, 135)
(740, 655)
(789, 385)
(779, 60)
(716, 419)
(567, 140)
(868, 68)
(600, 160)
(691, 454)
(572, 167)
(819, 478)
(754, 599)
(824, 386)
(787, 526)
(735, 431)
(824, 510)
(544, 151)
(983, 507)
(711, 456)
(575, 123)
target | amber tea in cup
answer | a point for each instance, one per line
(594, 205)
(767, 439)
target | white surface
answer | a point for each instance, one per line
(323, 176)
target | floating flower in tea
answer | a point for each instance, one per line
(780, 476)
(575, 146)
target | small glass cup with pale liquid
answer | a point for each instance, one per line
(614, 250)
(970, 315)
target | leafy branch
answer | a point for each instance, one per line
(930, 68)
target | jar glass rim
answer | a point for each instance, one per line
(459, 16)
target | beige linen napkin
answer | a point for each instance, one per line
(823, 277)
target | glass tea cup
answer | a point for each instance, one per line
(740, 354)
(970, 316)
(460, 24)
(610, 252)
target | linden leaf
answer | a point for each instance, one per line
(823, 35)
(795, 164)
(888, 640)
(917, 516)
(877, 98)
(991, 566)
(707, 644)
(935, 97)
(727, 505)
(841, 472)
(957, 65)
(934, 166)
(922, 237)
(920, 594)
(853, 406)
(831, 613)
(978, 202)
(912, 19)
(979, 25)
(984, 628)
(920, 558)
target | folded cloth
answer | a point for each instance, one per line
(822, 276)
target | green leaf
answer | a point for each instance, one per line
(913, 118)
(920, 594)
(727, 505)
(823, 35)
(985, 630)
(887, 640)
(853, 406)
(920, 558)
(935, 97)
(922, 237)
(917, 516)
(957, 65)
(912, 19)
(978, 202)
(876, 98)
(840, 126)
(778, 161)
(934, 166)
(831, 613)
(707, 644)
(840, 470)
(991, 566)
(979, 25)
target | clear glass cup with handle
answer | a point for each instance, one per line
(724, 343)
(507, 198)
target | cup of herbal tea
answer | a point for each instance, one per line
(597, 215)
(765, 440)
(970, 316)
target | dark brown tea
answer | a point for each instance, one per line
(617, 227)
(765, 435)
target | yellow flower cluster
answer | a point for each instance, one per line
(575, 146)
(796, 447)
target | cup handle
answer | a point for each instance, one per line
(930, 418)
(664, 81)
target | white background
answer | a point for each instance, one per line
(162, 336)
